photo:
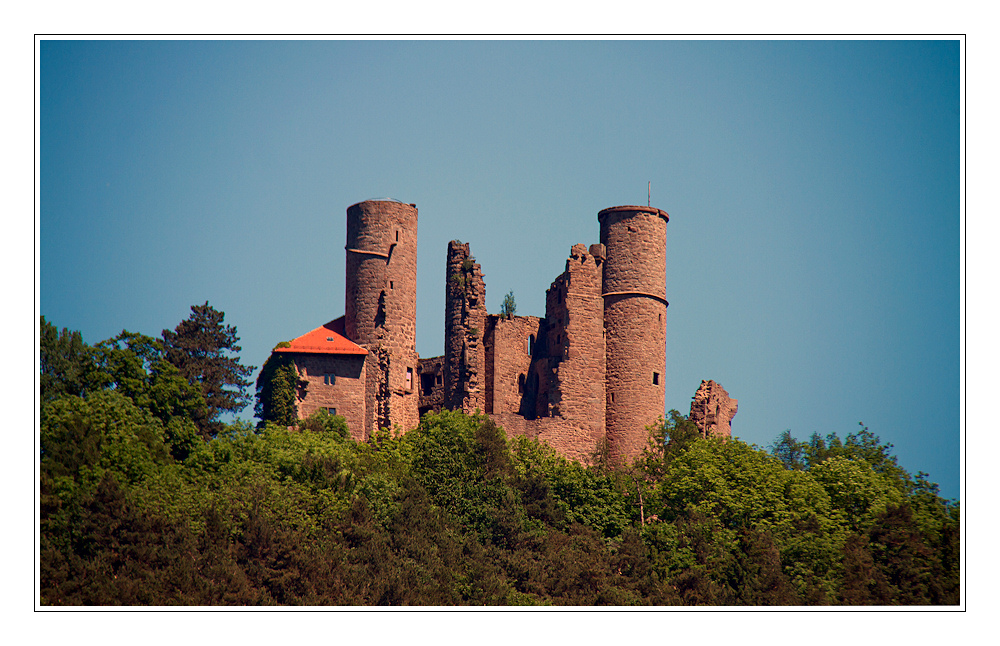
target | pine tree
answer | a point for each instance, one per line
(200, 347)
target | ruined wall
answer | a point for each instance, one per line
(380, 307)
(509, 346)
(465, 326)
(635, 307)
(575, 318)
(431, 384)
(592, 369)
(713, 410)
(346, 393)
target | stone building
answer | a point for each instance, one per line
(588, 375)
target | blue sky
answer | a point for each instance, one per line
(813, 187)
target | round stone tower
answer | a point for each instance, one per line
(380, 309)
(635, 317)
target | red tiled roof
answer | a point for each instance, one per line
(327, 339)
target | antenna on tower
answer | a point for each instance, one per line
(649, 193)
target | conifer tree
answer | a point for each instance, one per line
(200, 347)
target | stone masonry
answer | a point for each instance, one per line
(587, 376)
(713, 410)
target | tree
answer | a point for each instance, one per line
(200, 347)
(134, 365)
(789, 451)
(67, 363)
(509, 306)
(277, 385)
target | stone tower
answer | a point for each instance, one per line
(635, 316)
(380, 308)
(464, 329)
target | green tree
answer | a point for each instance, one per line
(789, 451)
(277, 390)
(134, 366)
(856, 489)
(509, 307)
(66, 363)
(206, 353)
(668, 438)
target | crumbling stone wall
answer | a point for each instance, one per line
(713, 410)
(381, 308)
(576, 352)
(431, 384)
(510, 344)
(592, 370)
(597, 362)
(465, 325)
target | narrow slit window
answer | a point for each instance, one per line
(656, 379)
(409, 379)
(531, 344)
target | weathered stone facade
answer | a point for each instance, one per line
(464, 326)
(713, 410)
(635, 313)
(589, 374)
(591, 371)
(380, 309)
(336, 383)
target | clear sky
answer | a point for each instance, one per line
(813, 187)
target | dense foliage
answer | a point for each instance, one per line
(206, 353)
(137, 509)
(277, 387)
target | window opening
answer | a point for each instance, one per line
(427, 383)
(409, 378)
(332, 411)
(656, 379)
(520, 384)
(531, 344)
(330, 380)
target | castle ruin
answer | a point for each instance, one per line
(587, 376)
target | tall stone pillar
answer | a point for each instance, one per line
(635, 317)
(380, 308)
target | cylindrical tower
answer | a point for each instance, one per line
(635, 318)
(380, 308)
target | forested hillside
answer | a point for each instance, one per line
(147, 498)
